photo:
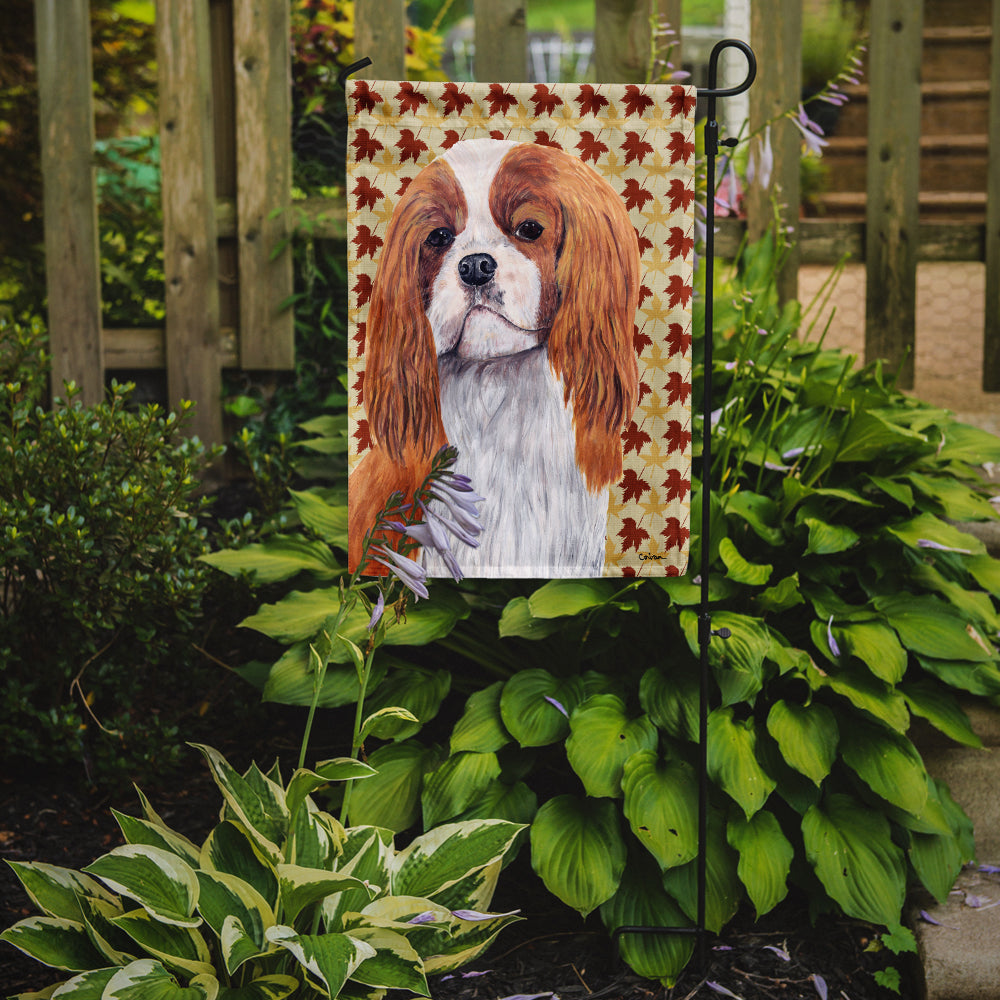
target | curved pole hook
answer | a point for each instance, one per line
(713, 69)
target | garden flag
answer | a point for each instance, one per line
(520, 278)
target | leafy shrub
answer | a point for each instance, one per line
(99, 539)
(279, 899)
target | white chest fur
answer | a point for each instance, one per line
(516, 442)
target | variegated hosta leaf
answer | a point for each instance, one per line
(158, 880)
(661, 799)
(315, 838)
(765, 858)
(395, 964)
(602, 737)
(367, 853)
(468, 939)
(807, 736)
(225, 897)
(86, 986)
(275, 987)
(177, 947)
(481, 727)
(300, 887)
(732, 760)
(116, 946)
(141, 831)
(149, 980)
(56, 891)
(329, 959)
(229, 848)
(54, 941)
(304, 782)
(475, 891)
(578, 851)
(441, 857)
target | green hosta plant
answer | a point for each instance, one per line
(279, 900)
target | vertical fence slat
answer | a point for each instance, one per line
(991, 332)
(668, 13)
(72, 257)
(621, 40)
(776, 34)
(893, 183)
(501, 41)
(190, 253)
(380, 34)
(261, 57)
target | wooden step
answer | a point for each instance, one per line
(957, 206)
(956, 53)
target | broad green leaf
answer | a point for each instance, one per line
(456, 784)
(758, 511)
(783, 595)
(893, 488)
(732, 760)
(516, 803)
(559, 598)
(147, 979)
(163, 884)
(739, 569)
(765, 858)
(807, 736)
(975, 605)
(517, 620)
(238, 944)
(466, 941)
(530, 706)
(274, 987)
(54, 941)
(481, 728)
(661, 799)
(230, 849)
(395, 964)
(419, 690)
(986, 571)
(87, 986)
(738, 661)
(301, 887)
(141, 831)
(931, 628)
(279, 558)
(330, 959)
(670, 698)
(602, 738)
(888, 763)
(225, 897)
(292, 681)
(828, 539)
(640, 901)
(366, 855)
(98, 916)
(438, 859)
(850, 848)
(976, 678)
(391, 798)
(180, 948)
(937, 860)
(864, 691)
(327, 520)
(941, 709)
(56, 891)
(876, 646)
(957, 501)
(928, 528)
(965, 443)
(870, 435)
(578, 851)
(385, 723)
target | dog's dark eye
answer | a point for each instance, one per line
(529, 230)
(440, 238)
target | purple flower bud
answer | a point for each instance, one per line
(834, 648)
(558, 705)
(427, 917)
(820, 983)
(927, 543)
(412, 575)
(377, 611)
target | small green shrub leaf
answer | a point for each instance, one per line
(732, 760)
(330, 959)
(56, 942)
(888, 763)
(807, 736)
(783, 595)
(601, 739)
(827, 539)
(850, 848)
(481, 727)
(535, 706)
(517, 620)
(577, 850)
(765, 858)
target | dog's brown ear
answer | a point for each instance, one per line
(591, 341)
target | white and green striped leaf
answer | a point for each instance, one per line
(177, 947)
(142, 831)
(229, 848)
(329, 959)
(274, 987)
(395, 964)
(87, 986)
(147, 979)
(56, 942)
(56, 891)
(224, 897)
(301, 887)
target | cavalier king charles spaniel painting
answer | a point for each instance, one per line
(501, 322)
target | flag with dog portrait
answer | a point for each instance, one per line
(520, 279)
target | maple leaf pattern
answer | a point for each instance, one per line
(590, 101)
(545, 100)
(676, 485)
(363, 289)
(497, 134)
(678, 290)
(632, 534)
(680, 149)
(682, 102)
(678, 339)
(680, 195)
(632, 486)
(677, 387)
(365, 98)
(678, 437)
(450, 138)
(409, 98)
(544, 139)
(644, 391)
(403, 185)
(360, 337)
(366, 193)
(634, 437)
(644, 293)
(455, 102)
(363, 436)
(644, 244)
(640, 341)
(359, 387)
(591, 147)
(635, 196)
(675, 533)
(499, 100)
(410, 145)
(366, 144)
(635, 147)
(678, 244)
(367, 242)
(636, 102)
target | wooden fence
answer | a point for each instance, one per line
(226, 161)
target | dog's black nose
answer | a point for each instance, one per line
(477, 268)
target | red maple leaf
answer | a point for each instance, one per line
(592, 147)
(636, 103)
(634, 437)
(679, 244)
(676, 485)
(454, 100)
(366, 193)
(411, 146)
(644, 293)
(675, 533)
(679, 195)
(365, 98)
(644, 390)
(403, 185)
(367, 242)
(678, 291)
(363, 436)
(544, 139)
(363, 289)
(359, 388)
(590, 100)
(366, 145)
(409, 98)
(681, 101)
(450, 138)
(678, 339)
(677, 436)
(499, 100)
(628, 571)
(680, 148)
(497, 134)
(632, 486)
(545, 100)
(639, 340)
(632, 535)
(360, 337)
(635, 196)
(644, 243)
(635, 147)
(678, 388)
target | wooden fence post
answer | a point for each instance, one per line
(668, 13)
(991, 332)
(893, 183)
(380, 34)
(72, 255)
(776, 34)
(262, 60)
(190, 251)
(621, 40)
(501, 41)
